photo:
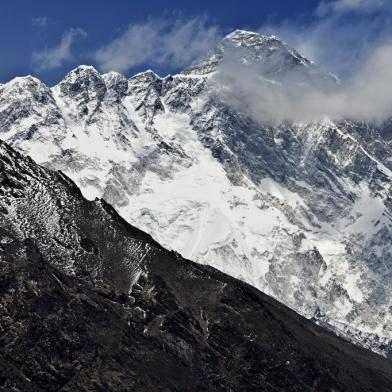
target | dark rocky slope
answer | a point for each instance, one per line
(89, 303)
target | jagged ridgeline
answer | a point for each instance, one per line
(300, 210)
(90, 303)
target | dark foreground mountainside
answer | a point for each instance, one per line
(89, 303)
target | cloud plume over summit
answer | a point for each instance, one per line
(365, 96)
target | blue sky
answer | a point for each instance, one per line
(48, 38)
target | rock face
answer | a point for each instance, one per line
(301, 211)
(90, 303)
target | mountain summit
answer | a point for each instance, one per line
(269, 55)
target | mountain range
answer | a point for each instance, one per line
(301, 210)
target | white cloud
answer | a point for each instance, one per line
(342, 6)
(39, 21)
(337, 40)
(54, 57)
(158, 42)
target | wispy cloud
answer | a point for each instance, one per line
(158, 42)
(343, 6)
(335, 37)
(54, 57)
(39, 21)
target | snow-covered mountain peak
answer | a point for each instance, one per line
(24, 80)
(82, 73)
(249, 38)
(145, 90)
(84, 83)
(259, 44)
(81, 70)
(83, 88)
(25, 86)
(145, 77)
(28, 110)
(268, 55)
(268, 52)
